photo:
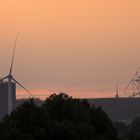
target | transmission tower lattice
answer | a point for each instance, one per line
(133, 88)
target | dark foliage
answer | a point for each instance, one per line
(60, 117)
(133, 130)
(129, 131)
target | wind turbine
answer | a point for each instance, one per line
(11, 79)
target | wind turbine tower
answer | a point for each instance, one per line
(8, 90)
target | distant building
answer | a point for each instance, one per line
(4, 98)
(119, 109)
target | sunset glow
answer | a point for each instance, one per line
(83, 48)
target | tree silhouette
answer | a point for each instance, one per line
(59, 117)
(103, 124)
(133, 130)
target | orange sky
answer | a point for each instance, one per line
(80, 47)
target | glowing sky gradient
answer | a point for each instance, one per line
(82, 47)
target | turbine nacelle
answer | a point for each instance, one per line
(11, 78)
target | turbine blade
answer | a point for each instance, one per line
(22, 87)
(1, 79)
(13, 55)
